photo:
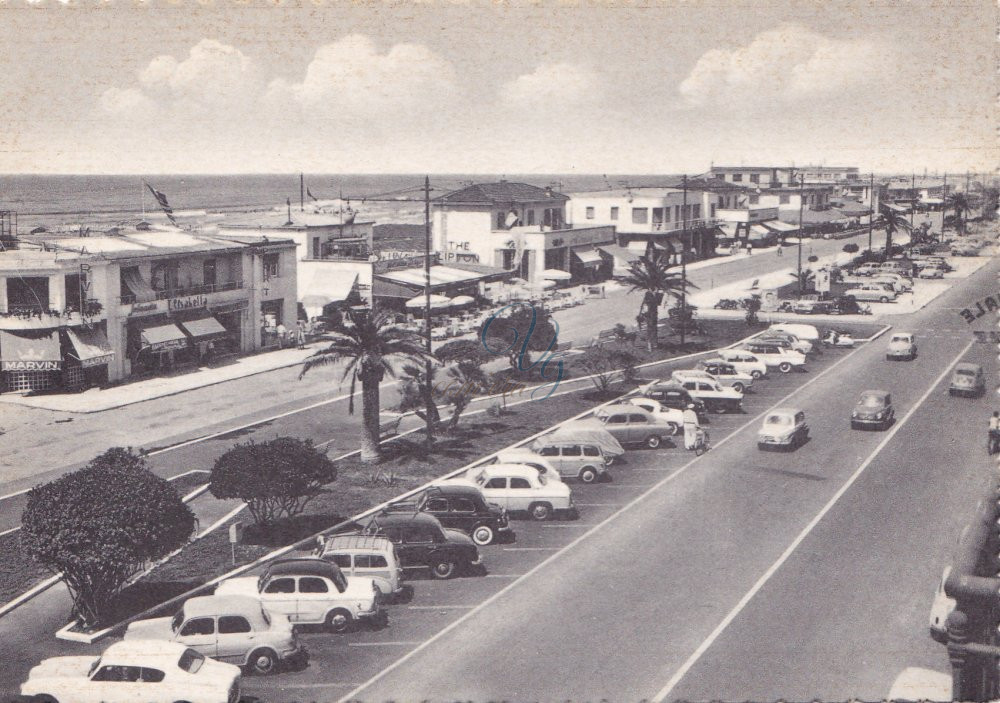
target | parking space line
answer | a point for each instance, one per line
(331, 684)
(571, 524)
(437, 607)
(598, 505)
(530, 549)
(504, 576)
(382, 644)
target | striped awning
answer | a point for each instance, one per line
(30, 351)
(90, 346)
(163, 338)
(588, 256)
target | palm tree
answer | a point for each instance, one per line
(893, 222)
(651, 275)
(960, 204)
(991, 196)
(367, 342)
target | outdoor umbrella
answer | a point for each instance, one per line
(463, 300)
(556, 275)
(437, 301)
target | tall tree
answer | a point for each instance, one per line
(893, 222)
(366, 343)
(959, 203)
(651, 275)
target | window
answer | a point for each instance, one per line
(591, 451)
(282, 585)
(416, 535)
(531, 217)
(312, 584)
(198, 626)
(498, 482)
(697, 211)
(754, 199)
(617, 419)
(755, 178)
(315, 251)
(737, 177)
(462, 505)
(208, 272)
(148, 675)
(549, 451)
(164, 276)
(713, 210)
(436, 505)
(341, 560)
(516, 482)
(233, 624)
(640, 215)
(637, 419)
(190, 661)
(783, 199)
(573, 450)
(271, 266)
(501, 219)
(614, 213)
(371, 561)
(28, 292)
(126, 674)
(677, 213)
(657, 215)
(590, 213)
(74, 291)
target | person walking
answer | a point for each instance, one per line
(994, 437)
(690, 427)
(778, 251)
(281, 332)
(300, 334)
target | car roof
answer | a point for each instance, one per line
(220, 605)
(303, 566)
(128, 651)
(876, 392)
(458, 489)
(406, 518)
(968, 366)
(700, 373)
(366, 542)
(784, 411)
(508, 470)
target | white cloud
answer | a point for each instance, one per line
(127, 102)
(563, 82)
(788, 63)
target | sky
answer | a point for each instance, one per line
(441, 86)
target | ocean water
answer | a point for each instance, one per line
(54, 201)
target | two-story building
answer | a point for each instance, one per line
(78, 311)
(519, 228)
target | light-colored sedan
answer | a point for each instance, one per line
(717, 398)
(726, 375)
(783, 428)
(149, 671)
(877, 294)
(744, 361)
(902, 345)
(630, 424)
(672, 416)
(520, 488)
(931, 272)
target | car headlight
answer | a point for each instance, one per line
(854, 413)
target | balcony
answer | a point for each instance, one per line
(697, 223)
(204, 289)
(27, 317)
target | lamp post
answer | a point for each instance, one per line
(871, 207)
(427, 307)
(684, 246)
(802, 182)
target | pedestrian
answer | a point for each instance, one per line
(281, 332)
(779, 250)
(994, 437)
(690, 427)
(300, 334)
(749, 248)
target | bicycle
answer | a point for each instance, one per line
(701, 444)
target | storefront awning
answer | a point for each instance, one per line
(760, 231)
(621, 255)
(387, 289)
(163, 337)
(779, 226)
(30, 351)
(326, 286)
(204, 328)
(138, 286)
(588, 256)
(728, 229)
(440, 275)
(90, 346)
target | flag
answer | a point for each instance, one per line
(309, 193)
(164, 205)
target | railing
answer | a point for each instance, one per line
(91, 307)
(204, 289)
(691, 224)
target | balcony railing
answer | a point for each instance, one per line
(203, 289)
(91, 308)
(691, 224)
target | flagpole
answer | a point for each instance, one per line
(302, 192)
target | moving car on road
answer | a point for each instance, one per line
(421, 541)
(520, 489)
(743, 361)
(630, 424)
(902, 345)
(311, 591)
(363, 556)
(726, 374)
(149, 671)
(783, 428)
(463, 508)
(233, 629)
(967, 379)
(717, 399)
(775, 355)
(874, 409)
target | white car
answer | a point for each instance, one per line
(940, 610)
(716, 397)
(672, 416)
(520, 488)
(149, 671)
(808, 333)
(527, 457)
(902, 345)
(785, 339)
(726, 374)
(744, 361)
(773, 355)
(311, 591)
(872, 294)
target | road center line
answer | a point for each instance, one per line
(748, 596)
(518, 578)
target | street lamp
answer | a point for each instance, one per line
(802, 182)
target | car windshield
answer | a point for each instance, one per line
(870, 400)
(190, 661)
(542, 480)
(900, 338)
(340, 580)
(177, 620)
(778, 420)
(93, 667)
(965, 372)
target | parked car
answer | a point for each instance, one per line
(784, 428)
(520, 489)
(726, 374)
(902, 345)
(717, 399)
(549, 465)
(672, 416)
(743, 361)
(630, 424)
(775, 355)
(813, 307)
(941, 608)
(233, 629)
(967, 379)
(364, 556)
(149, 671)
(877, 294)
(873, 409)
(587, 431)
(808, 333)
(867, 269)
(311, 591)
(848, 305)
(463, 508)
(785, 339)
(930, 272)
(422, 542)
(672, 395)
(898, 283)
(965, 249)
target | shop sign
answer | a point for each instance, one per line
(97, 360)
(384, 265)
(150, 308)
(32, 365)
(461, 257)
(168, 345)
(190, 302)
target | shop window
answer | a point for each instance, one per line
(208, 272)
(28, 292)
(272, 267)
(590, 213)
(640, 215)
(737, 177)
(755, 178)
(614, 213)
(783, 199)
(754, 199)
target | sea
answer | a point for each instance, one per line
(74, 201)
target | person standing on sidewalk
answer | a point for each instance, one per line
(281, 332)
(994, 437)
(300, 334)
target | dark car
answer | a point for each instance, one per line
(847, 305)
(672, 395)
(463, 508)
(874, 409)
(423, 542)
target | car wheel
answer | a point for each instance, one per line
(588, 474)
(784, 367)
(44, 698)
(540, 511)
(653, 441)
(443, 569)
(756, 374)
(262, 662)
(738, 386)
(482, 535)
(338, 620)
(674, 428)
(883, 299)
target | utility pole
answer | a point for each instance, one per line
(427, 307)
(684, 278)
(944, 203)
(302, 192)
(802, 184)
(913, 191)
(871, 208)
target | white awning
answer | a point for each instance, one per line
(779, 226)
(588, 256)
(203, 328)
(163, 337)
(728, 228)
(439, 275)
(327, 285)
(556, 275)
(760, 231)
(91, 346)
